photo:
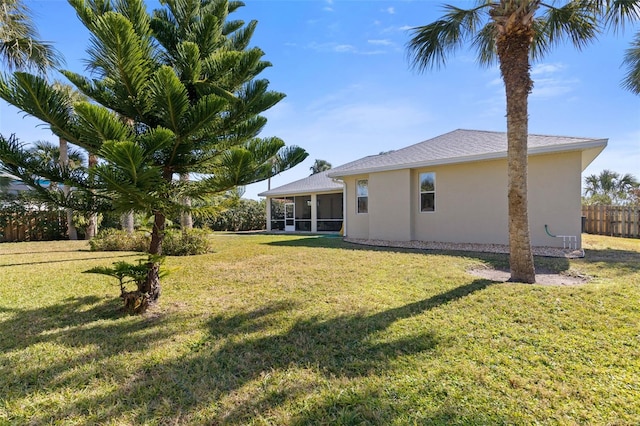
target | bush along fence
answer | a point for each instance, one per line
(32, 225)
(617, 221)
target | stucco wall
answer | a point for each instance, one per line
(554, 197)
(389, 209)
(357, 224)
(471, 202)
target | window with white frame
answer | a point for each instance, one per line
(362, 193)
(428, 192)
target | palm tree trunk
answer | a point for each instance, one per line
(127, 222)
(152, 285)
(66, 189)
(186, 220)
(92, 225)
(513, 51)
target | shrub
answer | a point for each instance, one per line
(117, 240)
(247, 215)
(186, 243)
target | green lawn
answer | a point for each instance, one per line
(311, 330)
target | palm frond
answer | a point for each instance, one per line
(619, 13)
(20, 47)
(575, 21)
(484, 43)
(430, 44)
(632, 64)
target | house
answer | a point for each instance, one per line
(453, 188)
(11, 185)
(313, 204)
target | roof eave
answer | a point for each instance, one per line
(274, 193)
(580, 146)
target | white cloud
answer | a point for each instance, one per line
(392, 29)
(342, 48)
(550, 82)
(327, 9)
(542, 69)
(552, 87)
(381, 42)
(390, 10)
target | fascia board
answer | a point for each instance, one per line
(579, 146)
(300, 192)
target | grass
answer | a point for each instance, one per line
(291, 330)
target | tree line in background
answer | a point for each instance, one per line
(611, 188)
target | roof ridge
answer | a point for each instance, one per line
(547, 135)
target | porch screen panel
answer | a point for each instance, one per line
(330, 212)
(277, 213)
(303, 213)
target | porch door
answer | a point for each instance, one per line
(289, 224)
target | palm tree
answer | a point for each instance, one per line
(514, 32)
(200, 115)
(320, 166)
(19, 44)
(609, 187)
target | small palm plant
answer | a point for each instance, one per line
(136, 301)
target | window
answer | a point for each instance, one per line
(362, 192)
(427, 192)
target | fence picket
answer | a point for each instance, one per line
(619, 221)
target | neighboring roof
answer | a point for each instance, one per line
(320, 182)
(461, 146)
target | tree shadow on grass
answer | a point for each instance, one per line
(376, 407)
(89, 330)
(75, 259)
(621, 262)
(347, 346)
(499, 261)
(240, 349)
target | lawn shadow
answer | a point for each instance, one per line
(75, 259)
(347, 346)
(623, 261)
(19, 253)
(499, 261)
(92, 328)
(374, 407)
(239, 349)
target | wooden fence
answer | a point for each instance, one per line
(616, 221)
(33, 226)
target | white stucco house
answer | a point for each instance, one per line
(452, 188)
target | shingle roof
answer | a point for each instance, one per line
(460, 146)
(319, 182)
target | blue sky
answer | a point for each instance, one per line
(350, 90)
